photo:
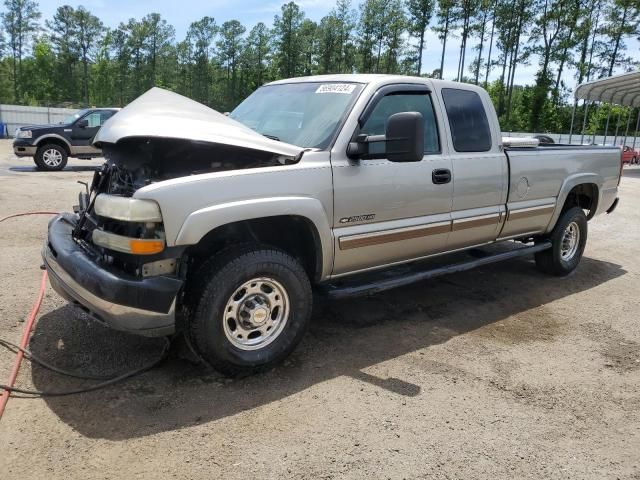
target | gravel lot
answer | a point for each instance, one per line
(500, 372)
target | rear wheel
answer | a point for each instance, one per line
(251, 311)
(50, 157)
(568, 240)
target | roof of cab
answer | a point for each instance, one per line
(377, 79)
(347, 77)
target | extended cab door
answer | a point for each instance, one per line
(480, 169)
(387, 212)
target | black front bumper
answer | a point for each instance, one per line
(23, 147)
(144, 306)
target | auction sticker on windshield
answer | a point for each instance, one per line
(347, 88)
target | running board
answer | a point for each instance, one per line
(354, 289)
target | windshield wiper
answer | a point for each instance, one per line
(272, 137)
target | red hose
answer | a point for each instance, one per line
(26, 333)
(24, 342)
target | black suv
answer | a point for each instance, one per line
(51, 145)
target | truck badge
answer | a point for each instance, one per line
(358, 218)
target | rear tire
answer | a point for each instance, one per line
(251, 310)
(568, 239)
(50, 157)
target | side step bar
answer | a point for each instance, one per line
(353, 289)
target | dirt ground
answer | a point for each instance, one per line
(500, 372)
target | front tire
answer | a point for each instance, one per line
(252, 309)
(568, 239)
(50, 157)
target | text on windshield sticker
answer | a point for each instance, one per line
(347, 88)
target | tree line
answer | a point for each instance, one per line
(74, 59)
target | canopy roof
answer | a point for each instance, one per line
(620, 89)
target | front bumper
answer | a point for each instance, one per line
(23, 148)
(143, 306)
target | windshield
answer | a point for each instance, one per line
(73, 117)
(303, 114)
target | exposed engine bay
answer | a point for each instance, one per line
(135, 162)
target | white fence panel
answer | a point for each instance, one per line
(14, 116)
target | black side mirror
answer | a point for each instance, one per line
(405, 137)
(84, 123)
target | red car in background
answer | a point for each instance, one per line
(630, 156)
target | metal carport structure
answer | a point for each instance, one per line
(618, 90)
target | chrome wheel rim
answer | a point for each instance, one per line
(256, 314)
(570, 241)
(52, 157)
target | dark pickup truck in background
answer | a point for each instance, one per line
(51, 145)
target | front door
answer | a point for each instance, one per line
(82, 134)
(387, 212)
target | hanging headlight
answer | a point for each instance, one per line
(127, 209)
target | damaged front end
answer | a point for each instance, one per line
(131, 241)
(111, 257)
(158, 137)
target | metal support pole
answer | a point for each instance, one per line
(573, 116)
(626, 132)
(636, 132)
(584, 122)
(593, 139)
(606, 129)
(615, 138)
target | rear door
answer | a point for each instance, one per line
(387, 212)
(480, 170)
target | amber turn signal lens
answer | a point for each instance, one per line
(145, 247)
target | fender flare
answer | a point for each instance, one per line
(569, 184)
(204, 220)
(53, 135)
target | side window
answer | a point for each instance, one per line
(97, 119)
(468, 121)
(403, 102)
(93, 119)
(105, 115)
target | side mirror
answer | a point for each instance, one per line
(405, 137)
(84, 123)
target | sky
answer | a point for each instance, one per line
(180, 13)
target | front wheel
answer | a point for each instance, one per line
(568, 239)
(252, 309)
(50, 157)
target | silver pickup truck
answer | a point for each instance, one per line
(222, 226)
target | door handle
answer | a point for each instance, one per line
(440, 176)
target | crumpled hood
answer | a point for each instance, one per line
(160, 113)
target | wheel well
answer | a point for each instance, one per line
(294, 234)
(55, 141)
(584, 196)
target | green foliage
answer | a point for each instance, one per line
(72, 59)
(288, 40)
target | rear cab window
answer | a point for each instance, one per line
(470, 130)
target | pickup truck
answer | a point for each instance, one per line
(629, 155)
(51, 145)
(222, 227)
